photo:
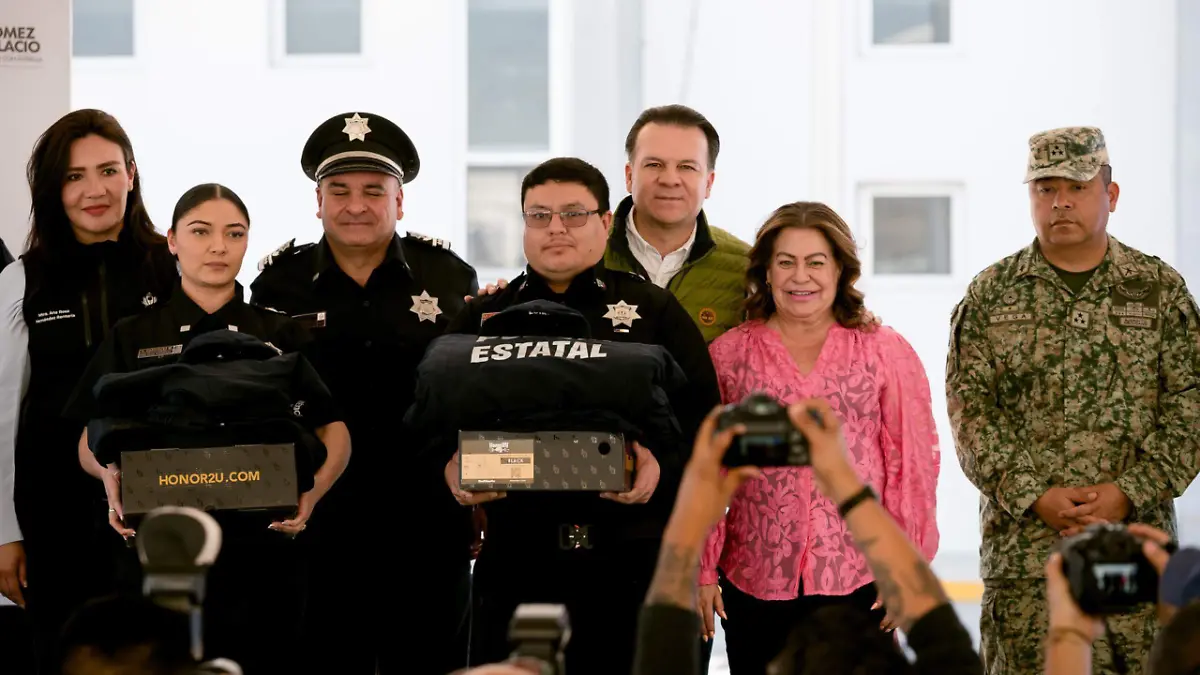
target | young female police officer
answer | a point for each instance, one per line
(256, 597)
(93, 257)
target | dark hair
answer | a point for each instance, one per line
(1176, 650)
(678, 116)
(1106, 174)
(205, 193)
(841, 639)
(568, 170)
(50, 229)
(127, 634)
(848, 307)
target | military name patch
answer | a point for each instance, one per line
(1135, 305)
(159, 352)
(1010, 317)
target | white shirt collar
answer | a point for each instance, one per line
(660, 267)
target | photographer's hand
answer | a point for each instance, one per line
(648, 473)
(1154, 543)
(907, 586)
(704, 494)
(1071, 633)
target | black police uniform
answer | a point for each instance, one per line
(57, 311)
(392, 546)
(255, 600)
(529, 554)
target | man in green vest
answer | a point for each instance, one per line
(660, 231)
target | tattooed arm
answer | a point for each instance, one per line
(907, 587)
(668, 625)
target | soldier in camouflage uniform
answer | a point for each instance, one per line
(1073, 393)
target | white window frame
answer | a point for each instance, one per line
(109, 63)
(280, 57)
(561, 92)
(864, 232)
(868, 48)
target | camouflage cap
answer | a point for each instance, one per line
(1075, 153)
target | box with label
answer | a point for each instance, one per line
(237, 478)
(574, 461)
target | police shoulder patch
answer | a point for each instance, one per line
(426, 239)
(270, 257)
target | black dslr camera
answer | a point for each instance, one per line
(540, 633)
(770, 439)
(1107, 571)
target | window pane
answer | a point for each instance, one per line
(102, 28)
(494, 226)
(908, 22)
(324, 26)
(508, 86)
(912, 235)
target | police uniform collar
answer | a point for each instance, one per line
(587, 282)
(324, 260)
(188, 313)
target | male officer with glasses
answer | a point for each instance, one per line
(601, 572)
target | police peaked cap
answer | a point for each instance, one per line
(540, 318)
(359, 141)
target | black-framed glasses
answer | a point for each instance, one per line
(541, 219)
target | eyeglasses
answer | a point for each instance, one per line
(541, 219)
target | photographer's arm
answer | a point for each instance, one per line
(668, 624)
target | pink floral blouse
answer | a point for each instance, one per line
(781, 534)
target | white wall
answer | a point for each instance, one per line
(35, 91)
(204, 100)
(960, 116)
(805, 112)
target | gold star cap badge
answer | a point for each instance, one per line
(356, 127)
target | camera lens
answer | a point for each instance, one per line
(604, 448)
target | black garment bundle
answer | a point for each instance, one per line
(548, 381)
(485, 382)
(227, 388)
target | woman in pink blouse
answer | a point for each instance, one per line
(782, 551)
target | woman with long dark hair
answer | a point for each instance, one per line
(93, 257)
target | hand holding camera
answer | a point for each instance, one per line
(1106, 570)
(802, 434)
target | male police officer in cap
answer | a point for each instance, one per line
(600, 566)
(389, 544)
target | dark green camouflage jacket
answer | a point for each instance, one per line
(1046, 388)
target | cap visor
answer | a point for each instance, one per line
(1061, 172)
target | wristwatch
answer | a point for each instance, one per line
(857, 498)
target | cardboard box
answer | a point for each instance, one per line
(236, 478)
(574, 461)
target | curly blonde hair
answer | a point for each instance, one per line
(848, 307)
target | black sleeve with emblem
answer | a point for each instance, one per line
(315, 406)
(113, 356)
